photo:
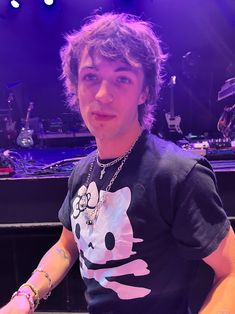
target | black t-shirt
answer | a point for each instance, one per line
(161, 216)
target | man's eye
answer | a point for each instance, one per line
(123, 79)
(89, 77)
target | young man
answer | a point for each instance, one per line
(142, 214)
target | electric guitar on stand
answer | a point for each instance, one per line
(25, 138)
(173, 121)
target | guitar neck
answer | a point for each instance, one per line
(27, 120)
(172, 104)
(172, 100)
(28, 115)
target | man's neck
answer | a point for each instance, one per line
(113, 148)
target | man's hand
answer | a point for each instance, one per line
(18, 305)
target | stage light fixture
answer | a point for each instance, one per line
(48, 2)
(15, 4)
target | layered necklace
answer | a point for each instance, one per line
(111, 163)
(91, 214)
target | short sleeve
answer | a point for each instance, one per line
(200, 222)
(65, 209)
(64, 213)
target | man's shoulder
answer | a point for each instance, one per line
(170, 159)
(167, 150)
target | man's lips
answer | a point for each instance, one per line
(103, 116)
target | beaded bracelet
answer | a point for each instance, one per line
(28, 297)
(41, 270)
(35, 291)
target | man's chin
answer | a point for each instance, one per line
(100, 132)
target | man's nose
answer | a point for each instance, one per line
(104, 93)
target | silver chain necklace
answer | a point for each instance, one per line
(91, 214)
(113, 162)
(109, 164)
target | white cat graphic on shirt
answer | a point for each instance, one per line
(109, 239)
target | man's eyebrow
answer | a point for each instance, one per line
(118, 69)
(124, 68)
(89, 67)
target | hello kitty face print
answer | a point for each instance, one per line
(109, 239)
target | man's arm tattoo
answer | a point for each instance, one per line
(62, 253)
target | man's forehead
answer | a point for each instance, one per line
(94, 58)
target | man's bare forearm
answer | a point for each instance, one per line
(56, 262)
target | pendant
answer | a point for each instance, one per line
(102, 172)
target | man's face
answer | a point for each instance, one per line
(109, 93)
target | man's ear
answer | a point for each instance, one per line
(143, 96)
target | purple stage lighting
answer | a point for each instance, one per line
(48, 2)
(15, 4)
